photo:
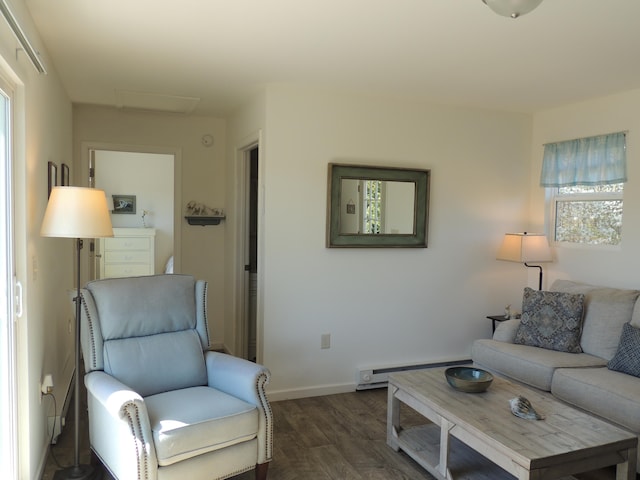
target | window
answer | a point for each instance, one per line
(590, 215)
(587, 176)
(373, 206)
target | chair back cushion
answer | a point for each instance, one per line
(148, 332)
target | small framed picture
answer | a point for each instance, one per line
(64, 175)
(52, 178)
(124, 204)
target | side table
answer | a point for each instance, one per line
(496, 318)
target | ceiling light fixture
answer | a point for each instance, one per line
(512, 8)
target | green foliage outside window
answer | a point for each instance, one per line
(589, 215)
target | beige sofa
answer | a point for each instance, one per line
(580, 379)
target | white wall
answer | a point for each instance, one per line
(617, 267)
(385, 306)
(202, 178)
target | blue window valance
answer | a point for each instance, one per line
(600, 160)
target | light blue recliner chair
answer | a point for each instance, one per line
(161, 406)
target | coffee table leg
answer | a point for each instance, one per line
(627, 470)
(443, 466)
(393, 417)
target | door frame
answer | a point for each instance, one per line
(85, 155)
(242, 170)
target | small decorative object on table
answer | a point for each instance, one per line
(507, 311)
(521, 407)
(468, 379)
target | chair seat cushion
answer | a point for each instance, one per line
(196, 420)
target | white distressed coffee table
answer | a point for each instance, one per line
(460, 425)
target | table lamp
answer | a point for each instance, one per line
(526, 248)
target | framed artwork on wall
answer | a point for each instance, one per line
(52, 177)
(125, 204)
(64, 175)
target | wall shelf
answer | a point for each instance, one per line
(202, 220)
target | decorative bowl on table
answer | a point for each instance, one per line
(468, 379)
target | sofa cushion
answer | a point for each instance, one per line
(605, 311)
(551, 320)
(531, 365)
(193, 421)
(611, 395)
(627, 358)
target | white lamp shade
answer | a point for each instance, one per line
(512, 8)
(525, 248)
(77, 212)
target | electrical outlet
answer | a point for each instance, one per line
(47, 384)
(325, 340)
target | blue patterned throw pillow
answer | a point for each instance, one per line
(551, 320)
(627, 358)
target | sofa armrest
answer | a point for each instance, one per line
(245, 380)
(506, 331)
(118, 417)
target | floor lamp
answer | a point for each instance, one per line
(526, 248)
(77, 212)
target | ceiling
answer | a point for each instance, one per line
(446, 51)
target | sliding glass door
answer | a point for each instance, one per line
(9, 298)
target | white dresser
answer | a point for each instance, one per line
(129, 253)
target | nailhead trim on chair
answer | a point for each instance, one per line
(204, 307)
(136, 432)
(94, 360)
(261, 381)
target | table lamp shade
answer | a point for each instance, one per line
(525, 248)
(77, 212)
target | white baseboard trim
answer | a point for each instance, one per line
(277, 395)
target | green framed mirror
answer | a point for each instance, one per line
(374, 207)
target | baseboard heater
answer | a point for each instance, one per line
(378, 377)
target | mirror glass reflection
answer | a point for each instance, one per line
(372, 206)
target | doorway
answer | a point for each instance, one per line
(153, 176)
(11, 302)
(251, 255)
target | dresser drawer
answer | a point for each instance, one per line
(127, 256)
(126, 270)
(126, 243)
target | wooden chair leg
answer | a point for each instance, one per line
(261, 471)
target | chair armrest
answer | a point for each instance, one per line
(506, 331)
(236, 376)
(245, 380)
(119, 428)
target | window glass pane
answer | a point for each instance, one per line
(577, 189)
(594, 222)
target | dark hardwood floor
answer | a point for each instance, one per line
(334, 437)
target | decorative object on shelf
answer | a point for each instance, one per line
(526, 248)
(144, 218)
(512, 8)
(521, 407)
(64, 175)
(507, 311)
(124, 204)
(201, 214)
(77, 212)
(52, 177)
(468, 379)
